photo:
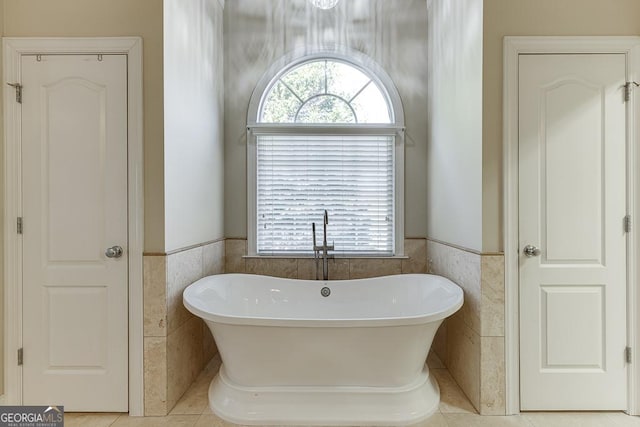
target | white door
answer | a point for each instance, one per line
(74, 174)
(572, 204)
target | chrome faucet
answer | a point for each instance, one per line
(324, 249)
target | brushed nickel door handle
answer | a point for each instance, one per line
(531, 251)
(114, 252)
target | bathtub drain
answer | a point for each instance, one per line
(325, 292)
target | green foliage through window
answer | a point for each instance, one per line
(325, 91)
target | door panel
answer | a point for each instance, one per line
(75, 309)
(572, 206)
(563, 344)
(572, 201)
(72, 233)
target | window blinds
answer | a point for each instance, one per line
(299, 176)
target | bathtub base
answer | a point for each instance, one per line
(289, 405)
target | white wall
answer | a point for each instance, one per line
(193, 122)
(259, 32)
(454, 74)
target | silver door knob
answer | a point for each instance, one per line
(114, 252)
(531, 251)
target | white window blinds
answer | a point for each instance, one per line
(299, 176)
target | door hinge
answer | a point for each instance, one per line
(628, 88)
(627, 224)
(627, 354)
(18, 88)
(19, 225)
(20, 357)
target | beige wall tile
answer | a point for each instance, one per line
(194, 401)
(439, 345)
(184, 359)
(183, 268)
(196, 398)
(492, 381)
(307, 268)
(213, 258)
(276, 267)
(452, 398)
(155, 296)
(492, 309)
(209, 347)
(463, 357)
(363, 268)
(165, 279)
(339, 269)
(416, 250)
(474, 337)
(463, 268)
(155, 376)
(434, 361)
(235, 249)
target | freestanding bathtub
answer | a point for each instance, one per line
(303, 352)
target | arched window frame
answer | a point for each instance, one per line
(396, 129)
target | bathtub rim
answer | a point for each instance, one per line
(230, 319)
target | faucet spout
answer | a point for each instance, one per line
(324, 228)
(313, 228)
(324, 249)
(316, 252)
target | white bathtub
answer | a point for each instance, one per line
(292, 356)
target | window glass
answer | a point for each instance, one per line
(348, 169)
(325, 91)
(326, 109)
(281, 105)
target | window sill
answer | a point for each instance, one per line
(335, 256)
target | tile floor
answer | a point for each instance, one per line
(455, 411)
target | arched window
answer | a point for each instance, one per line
(325, 133)
(325, 91)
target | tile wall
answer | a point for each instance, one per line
(471, 342)
(177, 345)
(339, 269)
